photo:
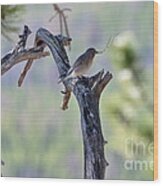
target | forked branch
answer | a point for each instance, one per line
(12, 58)
(87, 91)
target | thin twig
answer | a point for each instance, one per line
(53, 17)
(23, 74)
(62, 20)
(109, 43)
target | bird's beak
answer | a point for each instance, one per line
(99, 52)
(96, 52)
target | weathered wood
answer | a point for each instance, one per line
(24, 72)
(87, 91)
(13, 58)
(88, 101)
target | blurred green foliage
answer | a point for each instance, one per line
(10, 16)
(131, 81)
(40, 140)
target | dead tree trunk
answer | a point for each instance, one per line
(87, 91)
(88, 100)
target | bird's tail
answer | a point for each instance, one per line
(66, 77)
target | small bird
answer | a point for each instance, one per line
(81, 65)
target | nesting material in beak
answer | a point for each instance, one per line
(108, 44)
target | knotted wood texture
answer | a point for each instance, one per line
(87, 91)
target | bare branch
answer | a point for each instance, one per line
(25, 70)
(62, 19)
(53, 17)
(87, 91)
(23, 39)
(11, 59)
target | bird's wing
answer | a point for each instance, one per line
(80, 61)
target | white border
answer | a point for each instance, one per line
(58, 1)
(56, 182)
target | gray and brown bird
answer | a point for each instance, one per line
(81, 65)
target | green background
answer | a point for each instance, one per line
(38, 138)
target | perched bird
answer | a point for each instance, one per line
(81, 65)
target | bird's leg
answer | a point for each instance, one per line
(80, 77)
